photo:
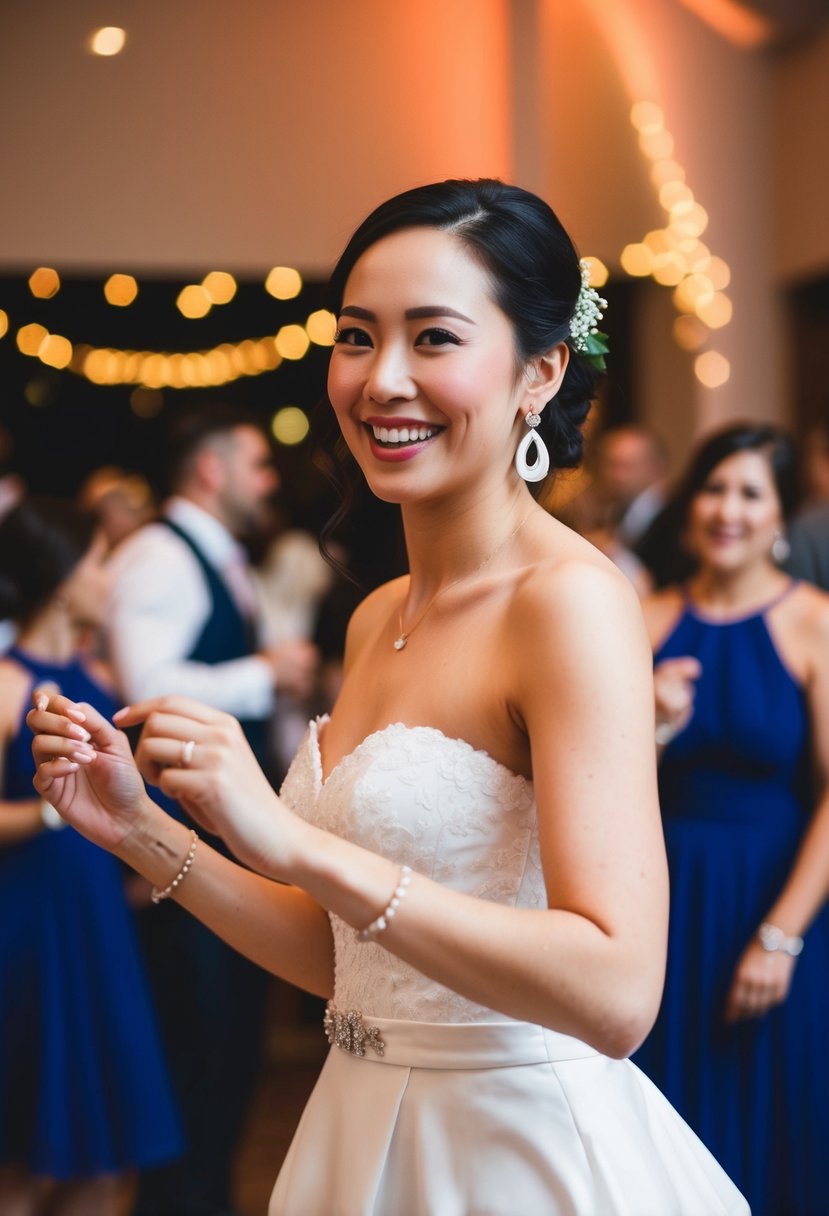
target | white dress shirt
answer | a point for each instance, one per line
(159, 605)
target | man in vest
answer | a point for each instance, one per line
(183, 619)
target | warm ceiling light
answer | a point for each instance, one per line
(321, 327)
(291, 342)
(689, 332)
(4, 323)
(599, 273)
(283, 282)
(120, 290)
(656, 145)
(637, 260)
(29, 338)
(647, 117)
(716, 312)
(220, 286)
(55, 351)
(193, 302)
(44, 283)
(109, 40)
(712, 369)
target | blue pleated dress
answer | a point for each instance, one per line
(83, 1080)
(736, 800)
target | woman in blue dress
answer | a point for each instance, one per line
(742, 679)
(84, 1094)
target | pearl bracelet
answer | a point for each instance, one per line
(382, 922)
(774, 939)
(155, 895)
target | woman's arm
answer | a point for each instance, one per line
(94, 783)
(592, 964)
(762, 978)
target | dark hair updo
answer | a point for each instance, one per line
(535, 275)
(42, 540)
(776, 445)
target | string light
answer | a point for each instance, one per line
(220, 286)
(44, 283)
(283, 282)
(674, 256)
(120, 290)
(712, 369)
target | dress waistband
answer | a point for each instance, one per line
(449, 1044)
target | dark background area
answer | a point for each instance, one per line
(56, 426)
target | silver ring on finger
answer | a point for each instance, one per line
(186, 757)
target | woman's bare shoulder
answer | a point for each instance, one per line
(568, 599)
(806, 614)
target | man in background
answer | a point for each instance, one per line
(184, 619)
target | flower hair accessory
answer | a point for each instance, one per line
(585, 337)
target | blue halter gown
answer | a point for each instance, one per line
(736, 800)
(83, 1080)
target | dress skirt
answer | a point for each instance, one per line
(492, 1119)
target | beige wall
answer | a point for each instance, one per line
(801, 163)
(237, 136)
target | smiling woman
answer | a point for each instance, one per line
(742, 681)
(466, 857)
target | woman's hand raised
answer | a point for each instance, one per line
(85, 769)
(673, 684)
(200, 757)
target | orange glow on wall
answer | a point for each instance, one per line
(739, 24)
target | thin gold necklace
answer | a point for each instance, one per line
(403, 637)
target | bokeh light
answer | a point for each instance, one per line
(290, 425)
(283, 283)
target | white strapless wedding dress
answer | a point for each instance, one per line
(466, 1113)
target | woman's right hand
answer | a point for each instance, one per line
(85, 769)
(674, 683)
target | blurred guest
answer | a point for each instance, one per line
(12, 489)
(292, 580)
(122, 501)
(629, 468)
(627, 492)
(808, 536)
(815, 460)
(742, 680)
(184, 618)
(84, 1091)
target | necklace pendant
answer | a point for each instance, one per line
(400, 642)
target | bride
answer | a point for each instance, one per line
(466, 859)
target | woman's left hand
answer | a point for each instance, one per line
(761, 981)
(200, 757)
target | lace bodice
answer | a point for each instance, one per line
(436, 804)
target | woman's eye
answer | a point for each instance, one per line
(437, 337)
(352, 336)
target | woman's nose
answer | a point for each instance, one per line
(390, 376)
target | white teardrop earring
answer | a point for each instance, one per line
(780, 548)
(539, 470)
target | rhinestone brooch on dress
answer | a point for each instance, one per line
(348, 1032)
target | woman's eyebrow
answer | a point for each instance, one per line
(411, 314)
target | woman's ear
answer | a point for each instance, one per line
(544, 375)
